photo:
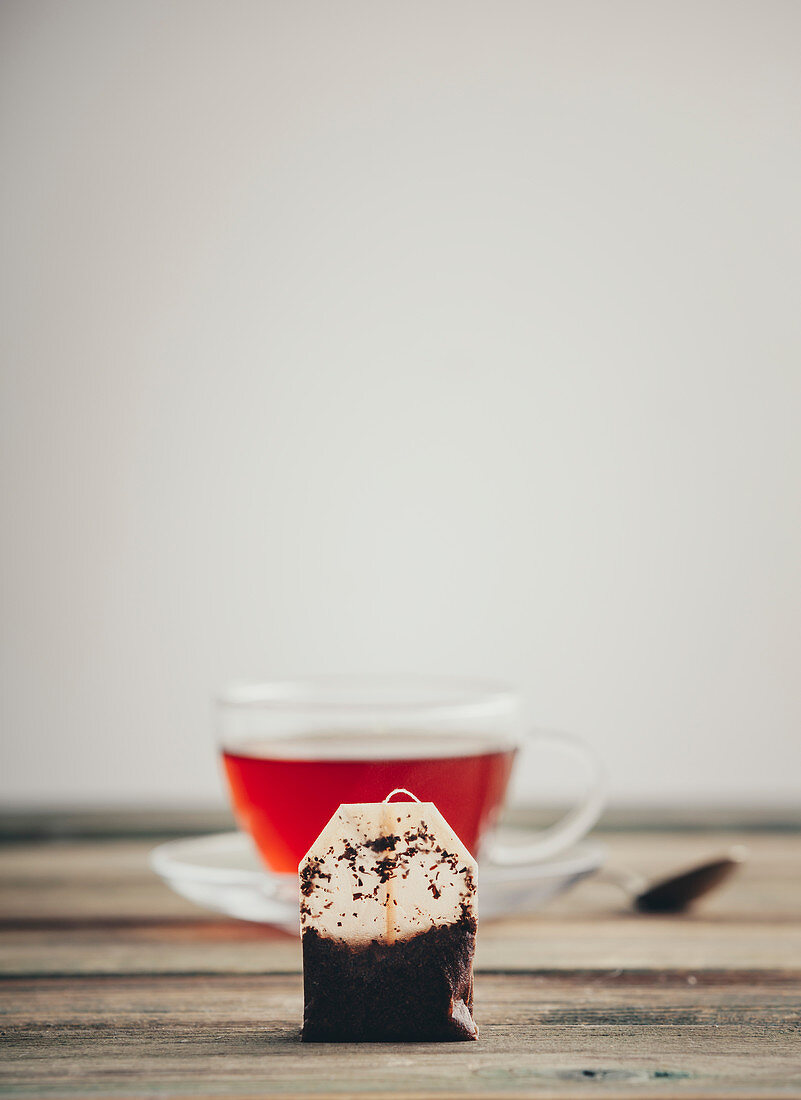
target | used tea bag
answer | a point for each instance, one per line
(388, 921)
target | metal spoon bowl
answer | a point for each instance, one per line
(675, 893)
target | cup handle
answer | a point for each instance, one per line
(576, 822)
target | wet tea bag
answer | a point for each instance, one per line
(388, 921)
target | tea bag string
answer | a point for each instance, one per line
(389, 901)
(401, 790)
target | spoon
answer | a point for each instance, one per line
(675, 893)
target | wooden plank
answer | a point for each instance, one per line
(92, 906)
(94, 879)
(560, 1035)
(539, 943)
(120, 823)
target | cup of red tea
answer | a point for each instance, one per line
(293, 751)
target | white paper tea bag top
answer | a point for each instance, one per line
(386, 871)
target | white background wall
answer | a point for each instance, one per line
(453, 337)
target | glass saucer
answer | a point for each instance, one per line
(223, 872)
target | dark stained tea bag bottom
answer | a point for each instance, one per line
(418, 989)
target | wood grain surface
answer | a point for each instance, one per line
(114, 987)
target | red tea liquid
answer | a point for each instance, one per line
(285, 791)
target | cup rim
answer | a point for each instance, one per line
(394, 694)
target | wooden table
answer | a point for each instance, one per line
(115, 987)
